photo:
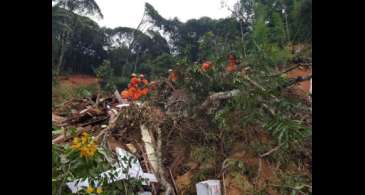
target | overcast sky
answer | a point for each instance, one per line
(128, 13)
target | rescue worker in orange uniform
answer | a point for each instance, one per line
(124, 94)
(172, 75)
(144, 82)
(232, 63)
(134, 80)
(206, 65)
(130, 93)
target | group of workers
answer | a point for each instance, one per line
(230, 68)
(137, 88)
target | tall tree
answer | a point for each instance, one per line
(89, 7)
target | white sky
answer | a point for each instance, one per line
(129, 13)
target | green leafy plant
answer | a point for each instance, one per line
(84, 159)
(105, 73)
(286, 131)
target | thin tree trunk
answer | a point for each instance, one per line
(62, 51)
(287, 32)
(242, 39)
(134, 37)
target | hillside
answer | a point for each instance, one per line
(168, 104)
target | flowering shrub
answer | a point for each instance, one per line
(82, 159)
(85, 145)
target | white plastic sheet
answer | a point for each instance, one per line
(134, 171)
(208, 187)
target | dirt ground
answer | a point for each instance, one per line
(78, 80)
(305, 85)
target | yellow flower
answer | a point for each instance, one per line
(76, 143)
(99, 190)
(90, 189)
(86, 146)
(85, 134)
(84, 138)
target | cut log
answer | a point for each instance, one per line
(154, 155)
(219, 96)
(119, 98)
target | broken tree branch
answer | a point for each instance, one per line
(117, 95)
(112, 121)
(230, 94)
(295, 81)
(58, 120)
(219, 96)
(270, 151)
(154, 156)
(285, 71)
(170, 85)
(259, 86)
(63, 137)
(173, 181)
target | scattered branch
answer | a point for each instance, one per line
(285, 71)
(260, 87)
(295, 81)
(270, 151)
(63, 137)
(219, 96)
(173, 181)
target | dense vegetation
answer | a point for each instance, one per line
(259, 31)
(263, 34)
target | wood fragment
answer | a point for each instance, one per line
(173, 181)
(58, 120)
(63, 137)
(117, 95)
(219, 96)
(270, 151)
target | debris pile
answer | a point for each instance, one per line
(168, 135)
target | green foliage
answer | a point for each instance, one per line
(295, 184)
(234, 165)
(89, 7)
(286, 131)
(278, 34)
(86, 91)
(203, 154)
(106, 74)
(68, 165)
(159, 65)
(206, 46)
(276, 55)
(259, 40)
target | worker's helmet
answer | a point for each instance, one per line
(231, 55)
(141, 75)
(170, 70)
(133, 75)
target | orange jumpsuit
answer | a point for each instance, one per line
(206, 66)
(232, 64)
(144, 90)
(134, 81)
(124, 94)
(173, 77)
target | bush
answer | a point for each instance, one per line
(105, 73)
(286, 131)
(84, 159)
